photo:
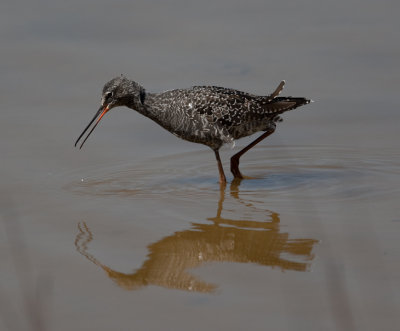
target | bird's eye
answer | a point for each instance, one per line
(108, 95)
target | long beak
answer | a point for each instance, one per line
(99, 114)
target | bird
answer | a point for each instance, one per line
(209, 115)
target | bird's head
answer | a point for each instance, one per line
(119, 91)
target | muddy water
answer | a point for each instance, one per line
(133, 232)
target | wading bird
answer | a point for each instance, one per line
(208, 115)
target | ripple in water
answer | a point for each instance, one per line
(316, 172)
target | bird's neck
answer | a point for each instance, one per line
(149, 107)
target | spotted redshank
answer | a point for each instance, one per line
(208, 115)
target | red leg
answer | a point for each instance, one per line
(235, 158)
(222, 178)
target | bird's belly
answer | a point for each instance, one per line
(251, 127)
(193, 127)
(201, 136)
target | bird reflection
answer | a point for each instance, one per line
(222, 239)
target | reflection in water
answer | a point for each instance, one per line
(223, 240)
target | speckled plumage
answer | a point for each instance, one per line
(209, 115)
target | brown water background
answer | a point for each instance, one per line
(133, 231)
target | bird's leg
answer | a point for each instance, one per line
(277, 91)
(222, 178)
(235, 158)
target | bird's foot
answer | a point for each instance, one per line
(235, 168)
(238, 176)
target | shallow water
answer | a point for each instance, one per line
(277, 172)
(133, 232)
(242, 230)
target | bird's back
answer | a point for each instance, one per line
(215, 115)
(241, 113)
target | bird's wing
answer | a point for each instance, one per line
(221, 106)
(230, 107)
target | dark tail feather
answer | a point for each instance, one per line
(297, 101)
(280, 105)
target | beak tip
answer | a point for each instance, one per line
(100, 113)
